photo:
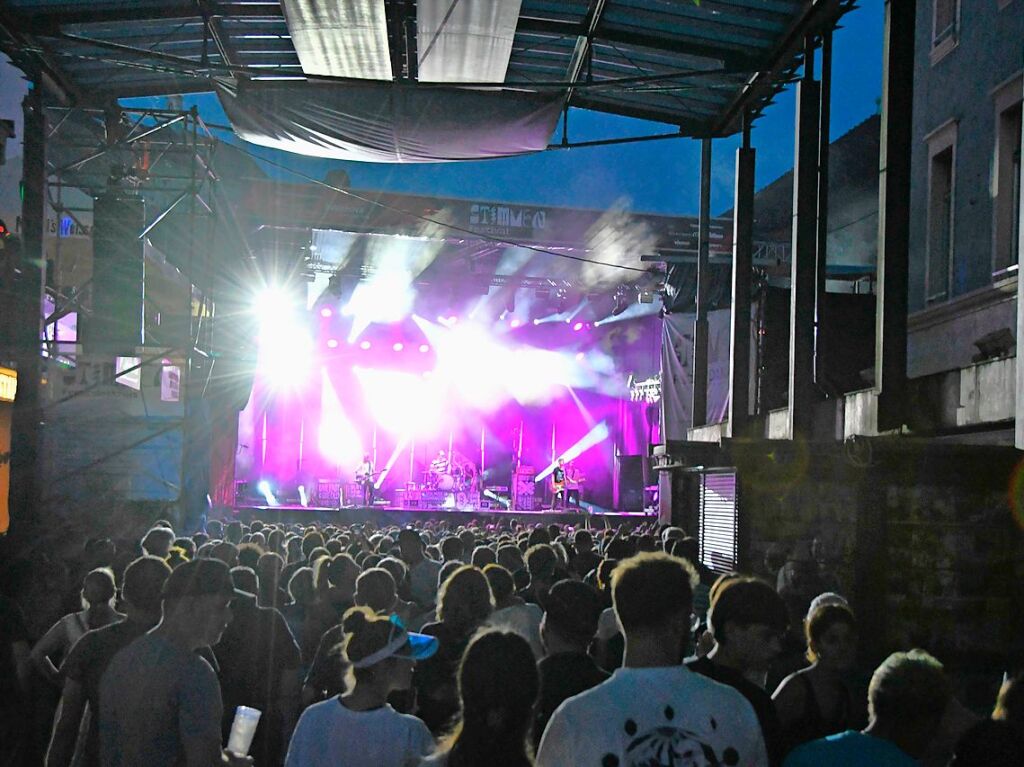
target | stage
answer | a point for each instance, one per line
(383, 516)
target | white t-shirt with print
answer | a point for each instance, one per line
(654, 717)
(329, 734)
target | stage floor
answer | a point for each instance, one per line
(389, 515)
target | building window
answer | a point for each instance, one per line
(1007, 181)
(945, 27)
(941, 206)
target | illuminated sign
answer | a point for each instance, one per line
(8, 384)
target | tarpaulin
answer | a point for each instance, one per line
(388, 122)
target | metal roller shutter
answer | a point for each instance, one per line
(718, 521)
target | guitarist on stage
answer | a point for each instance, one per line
(365, 477)
(573, 484)
(558, 485)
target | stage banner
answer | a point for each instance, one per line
(677, 372)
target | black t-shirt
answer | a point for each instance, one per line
(561, 676)
(86, 663)
(759, 699)
(255, 649)
(327, 674)
(558, 475)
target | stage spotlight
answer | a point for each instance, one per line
(621, 304)
(579, 356)
(398, 346)
(303, 498)
(515, 323)
(332, 343)
(536, 321)
(598, 434)
(265, 491)
(577, 327)
(364, 345)
(424, 348)
(326, 312)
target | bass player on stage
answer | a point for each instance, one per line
(574, 480)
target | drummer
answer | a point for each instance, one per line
(440, 464)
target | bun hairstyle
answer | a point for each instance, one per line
(365, 633)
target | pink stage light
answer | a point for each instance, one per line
(364, 345)
(579, 356)
(326, 312)
(424, 348)
(332, 343)
(577, 327)
(515, 323)
(398, 346)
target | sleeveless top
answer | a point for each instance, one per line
(813, 724)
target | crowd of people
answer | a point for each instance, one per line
(503, 645)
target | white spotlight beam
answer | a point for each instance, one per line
(391, 462)
(598, 434)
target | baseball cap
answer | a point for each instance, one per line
(401, 644)
(200, 577)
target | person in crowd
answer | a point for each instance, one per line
(483, 556)
(83, 668)
(258, 665)
(997, 741)
(907, 697)
(746, 621)
(160, 702)
(98, 595)
(452, 550)
(464, 604)
(542, 564)
(654, 710)
(511, 613)
(375, 589)
(269, 568)
(298, 613)
(817, 701)
(422, 575)
(511, 558)
(497, 689)
(608, 644)
(584, 557)
(572, 610)
(14, 681)
(158, 541)
(358, 728)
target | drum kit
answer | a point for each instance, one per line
(450, 479)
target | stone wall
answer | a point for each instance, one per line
(922, 537)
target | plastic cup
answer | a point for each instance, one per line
(242, 730)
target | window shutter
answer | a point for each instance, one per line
(719, 539)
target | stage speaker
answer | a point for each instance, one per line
(115, 325)
(846, 340)
(631, 482)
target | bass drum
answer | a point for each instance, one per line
(446, 482)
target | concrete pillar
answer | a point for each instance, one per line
(700, 327)
(804, 256)
(742, 267)
(894, 214)
(25, 436)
